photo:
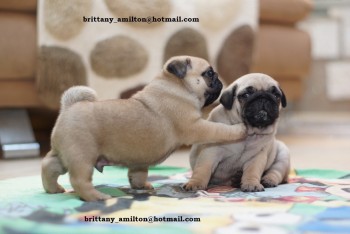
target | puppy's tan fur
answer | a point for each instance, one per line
(253, 163)
(138, 132)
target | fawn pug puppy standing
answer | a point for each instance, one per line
(138, 132)
(253, 163)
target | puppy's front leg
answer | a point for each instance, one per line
(252, 172)
(204, 132)
(138, 178)
(279, 170)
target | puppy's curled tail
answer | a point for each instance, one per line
(77, 94)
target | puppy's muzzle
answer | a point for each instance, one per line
(261, 110)
(213, 91)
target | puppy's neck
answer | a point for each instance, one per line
(269, 130)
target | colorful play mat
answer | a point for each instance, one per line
(314, 201)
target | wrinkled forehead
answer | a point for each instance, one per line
(256, 80)
(195, 65)
(199, 64)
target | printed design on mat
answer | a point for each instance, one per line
(305, 204)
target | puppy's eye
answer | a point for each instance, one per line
(277, 95)
(245, 95)
(210, 73)
(275, 92)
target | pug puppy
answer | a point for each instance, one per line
(253, 163)
(136, 133)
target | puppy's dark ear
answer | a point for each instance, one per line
(228, 97)
(283, 98)
(179, 67)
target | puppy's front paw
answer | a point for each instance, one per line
(241, 130)
(194, 186)
(148, 186)
(252, 187)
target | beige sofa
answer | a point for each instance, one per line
(281, 50)
(18, 53)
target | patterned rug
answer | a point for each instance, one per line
(314, 201)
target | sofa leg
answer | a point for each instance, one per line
(16, 135)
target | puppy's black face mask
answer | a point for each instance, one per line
(214, 86)
(260, 108)
(179, 69)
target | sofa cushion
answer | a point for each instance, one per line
(282, 51)
(284, 11)
(18, 5)
(18, 45)
(293, 87)
(18, 93)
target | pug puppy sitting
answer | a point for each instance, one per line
(253, 163)
(136, 133)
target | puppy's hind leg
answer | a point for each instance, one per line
(80, 175)
(279, 170)
(51, 169)
(205, 165)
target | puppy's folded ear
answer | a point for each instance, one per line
(227, 97)
(179, 67)
(283, 98)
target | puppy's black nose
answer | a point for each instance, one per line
(261, 116)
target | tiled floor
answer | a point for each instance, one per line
(315, 140)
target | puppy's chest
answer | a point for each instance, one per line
(230, 168)
(254, 144)
(242, 152)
